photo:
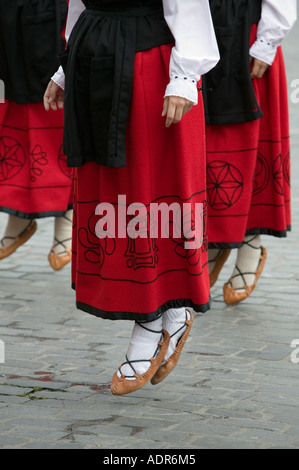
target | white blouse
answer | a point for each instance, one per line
(278, 18)
(195, 51)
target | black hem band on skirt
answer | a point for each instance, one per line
(253, 231)
(35, 215)
(178, 303)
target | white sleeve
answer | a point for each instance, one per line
(195, 51)
(74, 11)
(278, 18)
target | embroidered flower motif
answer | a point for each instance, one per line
(278, 175)
(224, 183)
(261, 176)
(12, 158)
(38, 160)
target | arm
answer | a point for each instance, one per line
(75, 9)
(195, 51)
(54, 94)
(278, 18)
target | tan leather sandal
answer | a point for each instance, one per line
(165, 369)
(18, 241)
(122, 385)
(57, 262)
(231, 295)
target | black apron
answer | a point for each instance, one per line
(99, 66)
(30, 39)
(227, 89)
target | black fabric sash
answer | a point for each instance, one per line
(30, 39)
(99, 66)
(227, 89)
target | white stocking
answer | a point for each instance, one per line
(63, 233)
(143, 346)
(15, 226)
(247, 262)
(174, 322)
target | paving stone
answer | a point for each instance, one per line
(235, 386)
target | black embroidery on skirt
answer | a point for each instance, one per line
(67, 171)
(142, 254)
(38, 159)
(95, 249)
(12, 158)
(278, 175)
(262, 175)
(224, 183)
(287, 168)
(192, 254)
(138, 253)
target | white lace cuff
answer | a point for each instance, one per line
(264, 51)
(184, 87)
(59, 78)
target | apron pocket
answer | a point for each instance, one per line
(40, 45)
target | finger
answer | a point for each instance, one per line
(60, 102)
(47, 98)
(178, 114)
(255, 69)
(262, 70)
(50, 97)
(53, 105)
(180, 111)
(46, 104)
(165, 106)
(258, 69)
(187, 108)
(170, 114)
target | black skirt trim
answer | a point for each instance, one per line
(267, 231)
(35, 215)
(254, 231)
(176, 303)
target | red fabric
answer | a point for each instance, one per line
(143, 276)
(34, 178)
(248, 166)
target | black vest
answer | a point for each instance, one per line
(30, 39)
(227, 89)
(99, 67)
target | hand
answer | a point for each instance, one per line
(53, 97)
(174, 108)
(258, 68)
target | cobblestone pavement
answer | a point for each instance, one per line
(235, 387)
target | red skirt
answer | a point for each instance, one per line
(248, 168)
(138, 279)
(34, 179)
